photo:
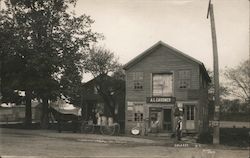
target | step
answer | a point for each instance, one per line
(160, 134)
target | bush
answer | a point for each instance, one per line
(205, 138)
(235, 136)
(235, 117)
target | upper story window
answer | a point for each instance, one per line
(162, 84)
(137, 80)
(184, 79)
(203, 82)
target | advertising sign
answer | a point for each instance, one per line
(160, 99)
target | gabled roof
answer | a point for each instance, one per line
(93, 80)
(155, 46)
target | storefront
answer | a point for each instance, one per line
(162, 84)
(161, 113)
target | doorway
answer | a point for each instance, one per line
(189, 115)
(167, 120)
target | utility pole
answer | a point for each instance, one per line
(216, 125)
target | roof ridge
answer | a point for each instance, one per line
(147, 51)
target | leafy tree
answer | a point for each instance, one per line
(101, 62)
(119, 73)
(6, 58)
(11, 62)
(51, 42)
(239, 80)
(70, 83)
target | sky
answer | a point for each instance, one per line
(132, 26)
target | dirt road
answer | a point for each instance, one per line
(52, 144)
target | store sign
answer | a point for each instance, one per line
(160, 99)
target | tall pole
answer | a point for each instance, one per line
(1, 67)
(216, 125)
(249, 87)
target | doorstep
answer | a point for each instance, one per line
(165, 134)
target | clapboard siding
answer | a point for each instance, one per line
(161, 60)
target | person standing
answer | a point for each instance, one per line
(179, 128)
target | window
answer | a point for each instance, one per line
(203, 82)
(137, 80)
(184, 79)
(138, 85)
(138, 112)
(190, 112)
(162, 84)
(138, 117)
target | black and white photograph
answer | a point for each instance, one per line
(124, 78)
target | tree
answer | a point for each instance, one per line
(232, 106)
(119, 73)
(6, 58)
(71, 84)
(101, 62)
(222, 89)
(12, 76)
(239, 81)
(51, 43)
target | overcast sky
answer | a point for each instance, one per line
(132, 26)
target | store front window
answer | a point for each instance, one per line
(138, 112)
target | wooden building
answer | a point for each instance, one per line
(161, 83)
(93, 102)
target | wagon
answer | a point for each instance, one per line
(62, 118)
(73, 117)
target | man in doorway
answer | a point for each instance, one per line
(179, 128)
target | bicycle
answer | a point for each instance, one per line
(110, 129)
(87, 127)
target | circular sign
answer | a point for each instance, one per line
(135, 131)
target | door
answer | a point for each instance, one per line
(155, 119)
(190, 116)
(167, 120)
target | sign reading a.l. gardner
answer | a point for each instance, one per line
(160, 100)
